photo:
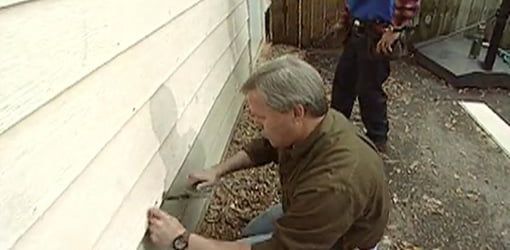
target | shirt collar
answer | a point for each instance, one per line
(298, 149)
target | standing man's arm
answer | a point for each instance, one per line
(405, 11)
(345, 15)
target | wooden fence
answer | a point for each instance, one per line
(301, 22)
(304, 23)
(441, 17)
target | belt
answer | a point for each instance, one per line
(362, 27)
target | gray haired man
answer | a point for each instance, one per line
(334, 194)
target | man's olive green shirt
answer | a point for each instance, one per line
(334, 193)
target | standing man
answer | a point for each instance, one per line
(334, 193)
(373, 27)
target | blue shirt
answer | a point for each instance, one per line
(372, 10)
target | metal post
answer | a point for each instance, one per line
(497, 35)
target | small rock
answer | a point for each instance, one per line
(386, 241)
(435, 172)
(473, 195)
(415, 163)
(395, 198)
(472, 176)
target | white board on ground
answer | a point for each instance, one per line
(490, 121)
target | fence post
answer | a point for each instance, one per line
(293, 22)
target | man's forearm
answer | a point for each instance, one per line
(239, 161)
(197, 242)
(405, 11)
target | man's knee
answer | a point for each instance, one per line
(264, 222)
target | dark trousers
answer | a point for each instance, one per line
(360, 73)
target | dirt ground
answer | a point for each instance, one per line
(449, 180)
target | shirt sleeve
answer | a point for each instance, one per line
(261, 152)
(315, 220)
(405, 11)
(345, 15)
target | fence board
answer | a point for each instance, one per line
(306, 21)
(331, 13)
(317, 19)
(278, 25)
(292, 16)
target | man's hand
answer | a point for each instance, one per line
(163, 228)
(209, 177)
(384, 46)
(204, 178)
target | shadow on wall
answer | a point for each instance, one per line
(164, 115)
(182, 150)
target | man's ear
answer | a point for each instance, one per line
(299, 111)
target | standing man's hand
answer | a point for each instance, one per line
(384, 46)
(163, 228)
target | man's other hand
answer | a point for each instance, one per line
(384, 46)
(204, 179)
(163, 228)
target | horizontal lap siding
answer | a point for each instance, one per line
(49, 46)
(121, 235)
(83, 156)
(230, 68)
